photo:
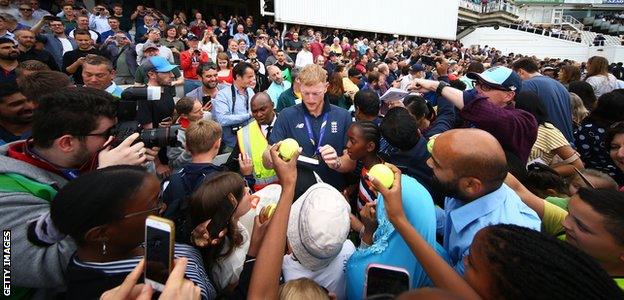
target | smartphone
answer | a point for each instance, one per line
(386, 280)
(159, 242)
(206, 100)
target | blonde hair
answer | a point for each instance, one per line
(202, 135)
(302, 289)
(579, 111)
(312, 74)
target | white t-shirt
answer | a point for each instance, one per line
(332, 277)
(405, 82)
(67, 46)
(227, 270)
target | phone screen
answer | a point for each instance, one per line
(206, 99)
(382, 281)
(157, 254)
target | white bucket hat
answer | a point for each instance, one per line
(318, 226)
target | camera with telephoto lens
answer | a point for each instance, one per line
(127, 124)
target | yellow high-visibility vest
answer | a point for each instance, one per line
(252, 141)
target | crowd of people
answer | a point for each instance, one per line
(507, 171)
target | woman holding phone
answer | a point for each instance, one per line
(104, 212)
(209, 44)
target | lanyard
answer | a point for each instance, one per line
(315, 143)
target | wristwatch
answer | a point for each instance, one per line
(441, 86)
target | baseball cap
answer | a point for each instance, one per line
(318, 226)
(149, 45)
(501, 77)
(192, 37)
(417, 68)
(158, 64)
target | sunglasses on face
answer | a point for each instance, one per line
(486, 87)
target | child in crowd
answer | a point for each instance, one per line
(363, 146)
(221, 200)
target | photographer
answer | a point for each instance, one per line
(209, 44)
(158, 113)
(109, 35)
(71, 131)
(189, 61)
(98, 19)
(124, 57)
(262, 83)
(231, 107)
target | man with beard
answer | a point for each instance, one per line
(8, 60)
(16, 114)
(69, 132)
(26, 46)
(469, 168)
(154, 114)
(56, 42)
(207, 73)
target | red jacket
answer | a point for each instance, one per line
(189, 68)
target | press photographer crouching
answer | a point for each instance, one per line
(71, 135)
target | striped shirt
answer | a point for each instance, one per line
(549, 138)
(88, 279)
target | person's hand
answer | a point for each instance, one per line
(395, 103)
(396, 84)
(259, 230)
(124, 154)
(80, 60)
(286, 170)
(207, 106)
(175, 50)
(393, 200)
(245, 164)
(163, 171)
(423, 85)
(368, 213)
(330, 156)
(200, 236)
(129, 289)
(350, 94)
(151, 153)
(177, 287)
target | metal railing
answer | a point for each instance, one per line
(491, 6)
(572, 22)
